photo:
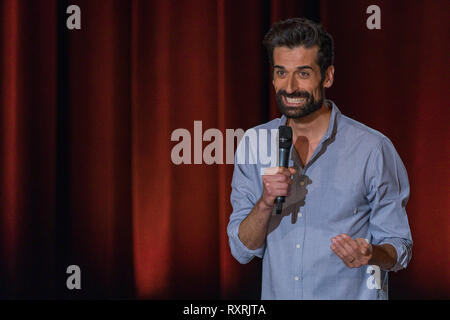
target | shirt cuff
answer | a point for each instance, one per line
(403, 249)
(239, 250)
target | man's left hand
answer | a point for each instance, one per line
(354, 253)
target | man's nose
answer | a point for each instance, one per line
(291, 84)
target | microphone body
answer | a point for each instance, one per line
(284, 143)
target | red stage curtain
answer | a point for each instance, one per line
(86, 118)
(28, 101)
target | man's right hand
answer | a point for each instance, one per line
(253, 229)
(276, 182)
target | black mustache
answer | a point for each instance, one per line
(295, 94)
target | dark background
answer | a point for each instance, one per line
(86, 118)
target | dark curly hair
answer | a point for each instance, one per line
(298, 32)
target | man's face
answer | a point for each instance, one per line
(298, 82)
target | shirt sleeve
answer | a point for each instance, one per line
(243, 198)
(388, 193)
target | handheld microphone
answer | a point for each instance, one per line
(284, 143)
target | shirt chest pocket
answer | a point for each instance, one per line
(339, 193)
(347, 196)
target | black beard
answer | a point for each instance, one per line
(310, 105)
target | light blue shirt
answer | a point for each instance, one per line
(355, 183)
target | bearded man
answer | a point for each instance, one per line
(343, 226)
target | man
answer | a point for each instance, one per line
(344, 224)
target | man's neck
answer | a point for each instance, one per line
(313, 126)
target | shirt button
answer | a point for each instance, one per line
(297, 246)
(302, 183)
(296, 278)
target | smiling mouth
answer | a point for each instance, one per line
(293, 102)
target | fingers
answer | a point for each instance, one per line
(282, 170)
(271, 171)
(278, 178)
(286, 171)
(343, 252)
(353, 253)
(366, 248)
(276, 182)
(276, 188)
(278, 174)
(350, 246)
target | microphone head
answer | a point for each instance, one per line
(285, 137)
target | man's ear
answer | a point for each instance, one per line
(329, 77)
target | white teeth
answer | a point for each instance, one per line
(294, 100)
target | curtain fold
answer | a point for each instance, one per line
(27, 123)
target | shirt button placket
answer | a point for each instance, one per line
(298, 254)
(302, 247)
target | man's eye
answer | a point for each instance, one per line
(304, 74)
(281, 73)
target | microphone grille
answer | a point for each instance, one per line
(285, 137)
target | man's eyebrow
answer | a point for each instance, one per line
(305, 67)
(298, 68)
